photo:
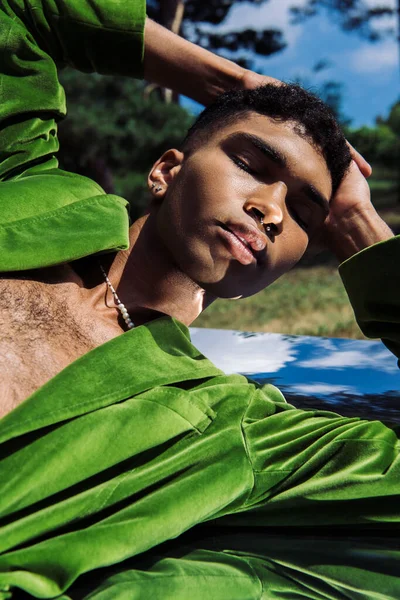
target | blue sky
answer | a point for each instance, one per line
(370, 73)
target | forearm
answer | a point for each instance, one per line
(173, 62)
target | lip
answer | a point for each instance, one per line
(236, 235)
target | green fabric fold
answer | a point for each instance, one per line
(38, 226)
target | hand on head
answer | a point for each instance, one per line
(353, 223)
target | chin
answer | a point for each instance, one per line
(219, 278)
(231, 290)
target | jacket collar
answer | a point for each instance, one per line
(154, 354)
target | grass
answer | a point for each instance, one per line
(306, 301)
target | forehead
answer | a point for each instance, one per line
(302, 159)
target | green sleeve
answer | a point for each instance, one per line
(372, 281)
(48, 216)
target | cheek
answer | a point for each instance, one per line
(187, 195)
(199, 195)
(181, 217)
(289, 247)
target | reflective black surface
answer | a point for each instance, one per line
(351, 377)
(219, 563)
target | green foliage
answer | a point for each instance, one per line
(394, 119)
(381, 146)
(113, 134)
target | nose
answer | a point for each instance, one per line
(271, 203)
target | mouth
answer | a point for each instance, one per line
(245, 243)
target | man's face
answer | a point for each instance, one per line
(254, 168)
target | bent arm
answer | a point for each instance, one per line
(371, 254)
(173, 62)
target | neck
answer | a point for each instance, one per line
(148, 281)
(70, 310)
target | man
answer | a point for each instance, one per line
(126, 441)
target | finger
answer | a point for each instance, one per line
(360, 161)
(251, 80)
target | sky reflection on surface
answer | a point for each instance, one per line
(352, 377)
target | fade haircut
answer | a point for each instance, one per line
(312, 118)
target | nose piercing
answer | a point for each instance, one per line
(268, 227)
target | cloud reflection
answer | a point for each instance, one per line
(323, 388)
(247, 353)
(342, 359)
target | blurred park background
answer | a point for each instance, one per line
(346, 51)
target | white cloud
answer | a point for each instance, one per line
(323, 388)
(233, 352)
(273, 14)
(373, 58)
(376, 3)
(345, 359)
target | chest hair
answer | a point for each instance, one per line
(39, 335)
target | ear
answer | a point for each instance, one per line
(164, 171)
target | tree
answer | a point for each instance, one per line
(381, 146)
(393, 120)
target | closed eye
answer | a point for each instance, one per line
(242, 165)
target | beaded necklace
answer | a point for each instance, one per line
(121, 307)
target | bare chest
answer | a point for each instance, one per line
(41, 333)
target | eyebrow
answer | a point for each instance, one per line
(269, 151)
(278, 158)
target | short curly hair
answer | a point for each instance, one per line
(286, 102)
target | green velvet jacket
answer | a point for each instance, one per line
(143, 438)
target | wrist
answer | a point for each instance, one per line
(356, 230)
